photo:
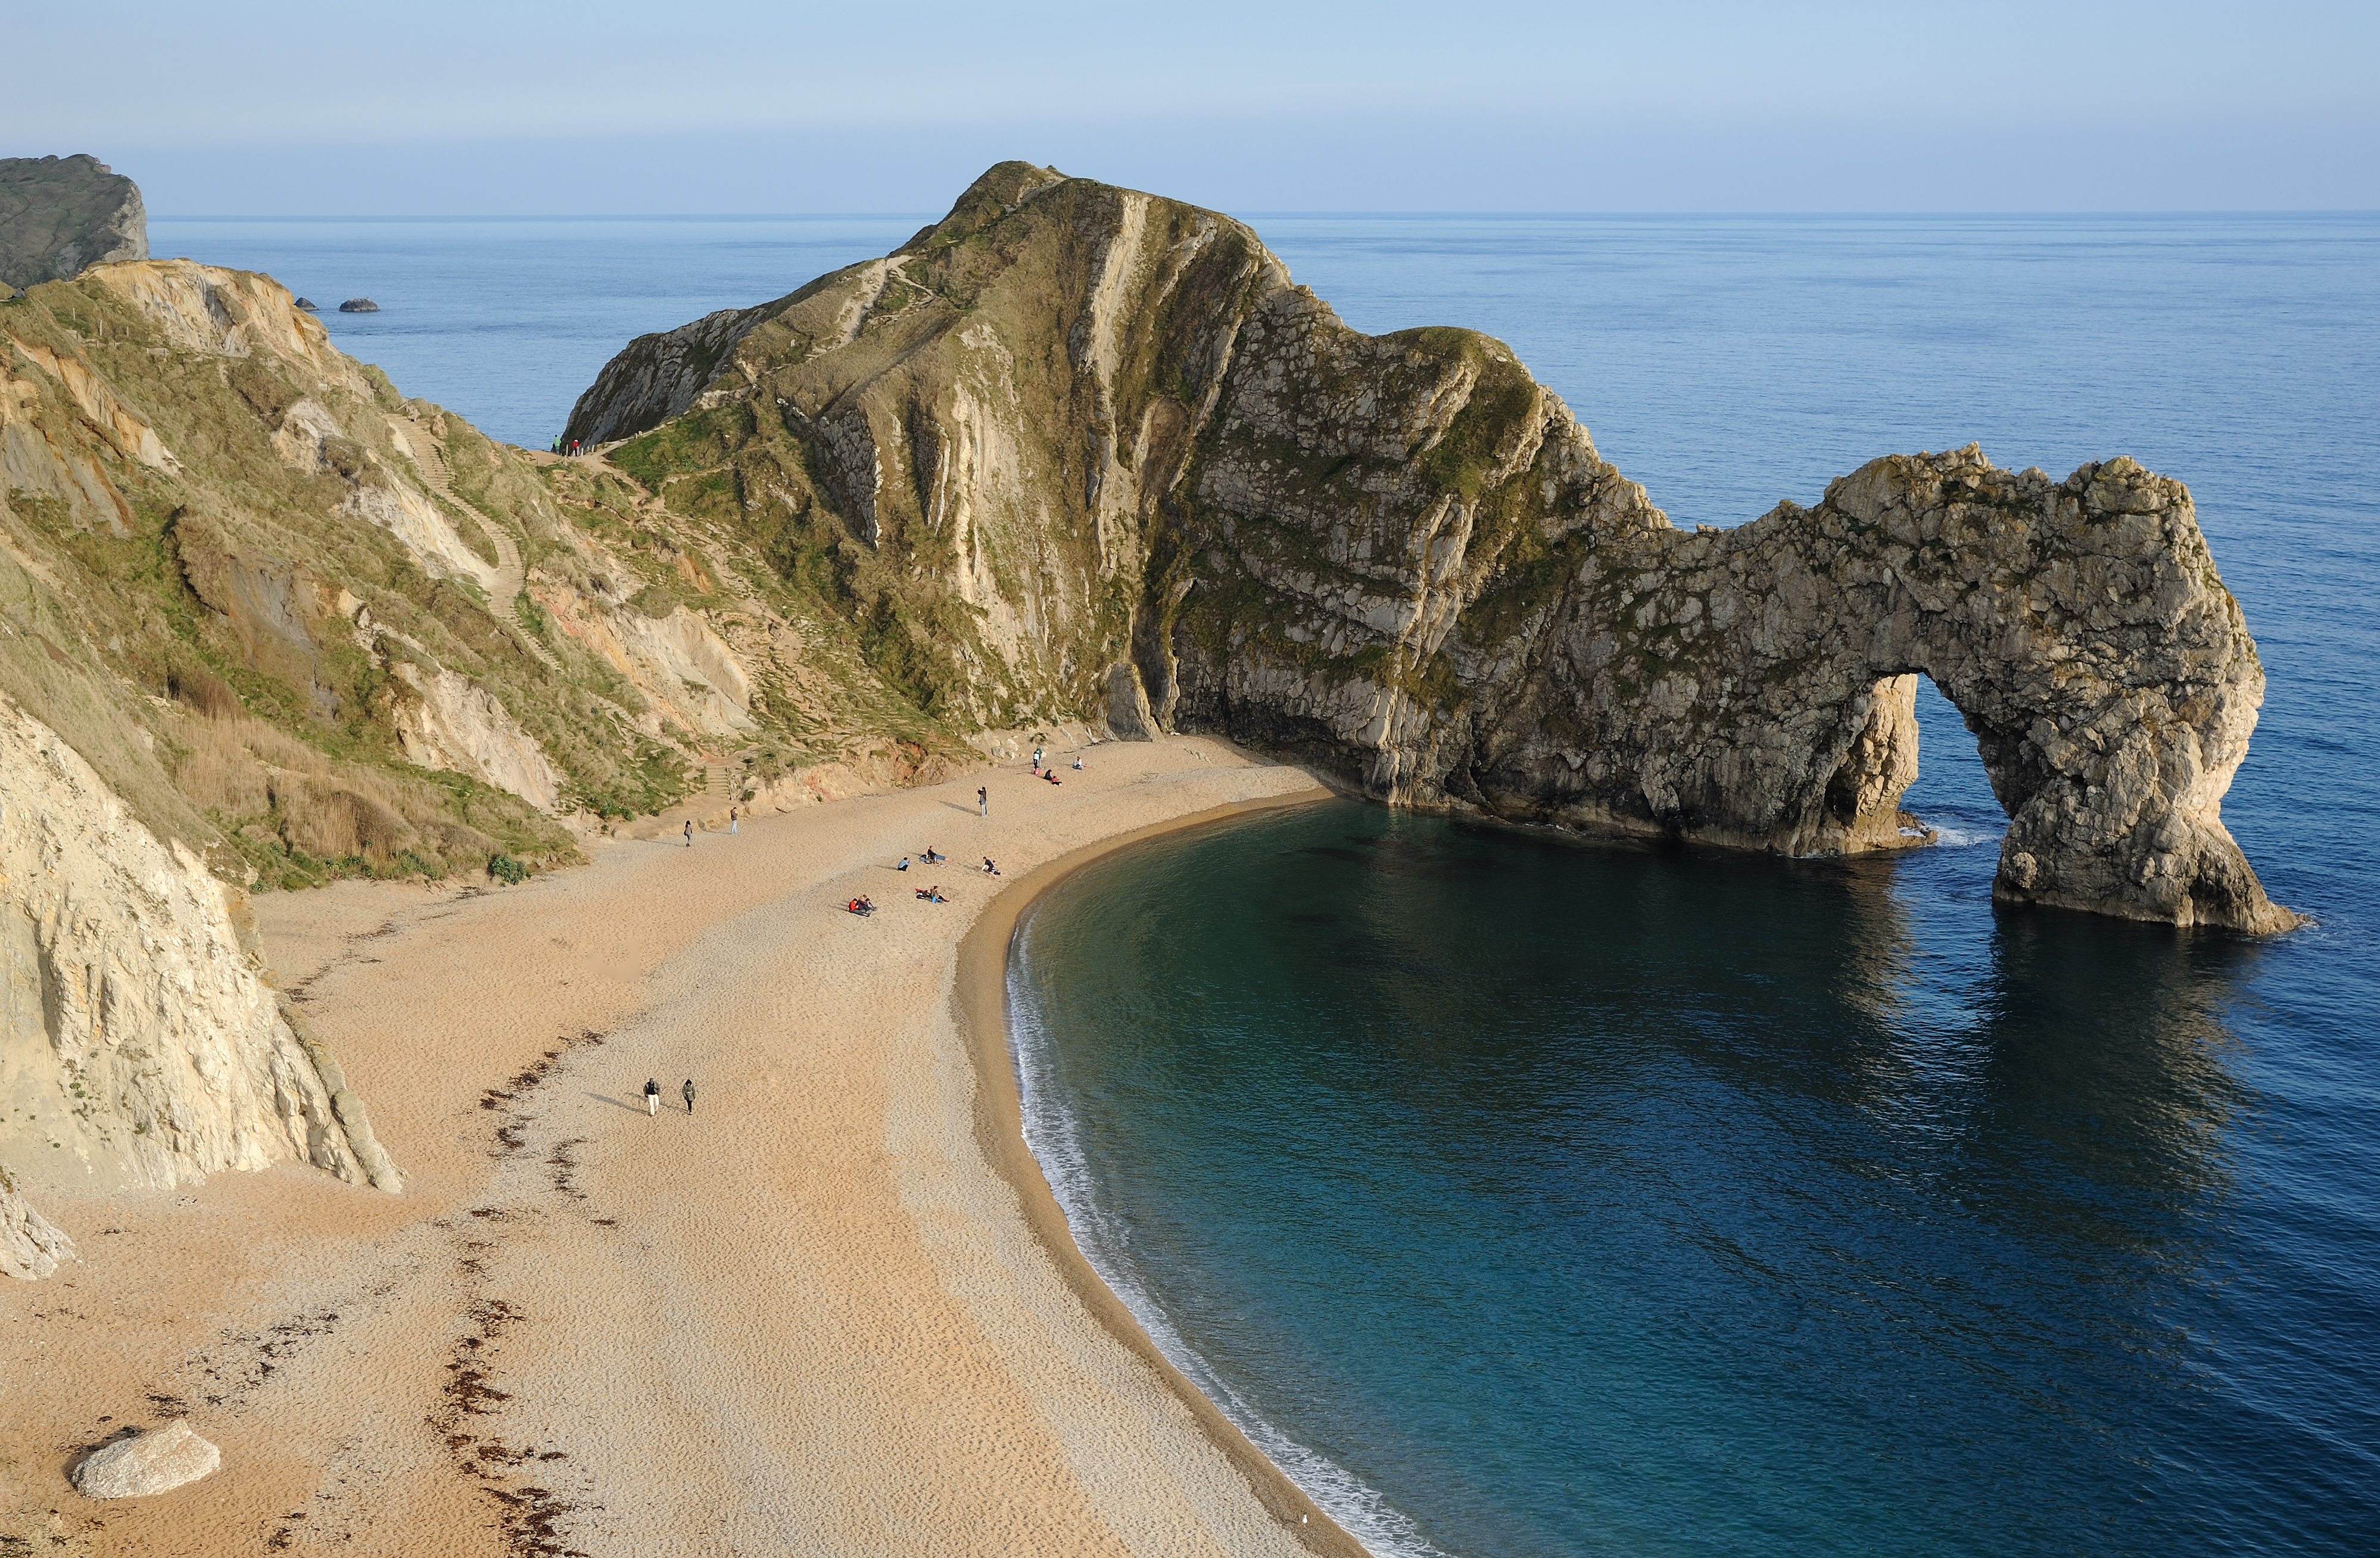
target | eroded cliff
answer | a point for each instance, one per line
(140, 1044)
(1078, 448)
(313, 628)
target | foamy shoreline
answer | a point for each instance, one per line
(835, 1309)
(1360, 1511)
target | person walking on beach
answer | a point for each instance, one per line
(982, 801)
(688, 1091)
(730, 822)
(652, 1097)
(689, 833)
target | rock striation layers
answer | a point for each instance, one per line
(1080, 448)
(61, 215)
(140, 1044)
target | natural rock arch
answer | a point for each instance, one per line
(1756, 687)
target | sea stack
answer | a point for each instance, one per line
(61, 215)
(359, 306)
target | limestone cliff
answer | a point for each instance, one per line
(60, 215)
(1078, 448)
(140, 1044)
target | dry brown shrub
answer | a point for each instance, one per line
(243, 767)
(219, 772)
(203, 690)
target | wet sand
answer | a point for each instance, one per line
(832, 1310)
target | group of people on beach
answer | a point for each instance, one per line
(654, 1096)
(864, 905)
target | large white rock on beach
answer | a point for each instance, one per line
(153, 1463)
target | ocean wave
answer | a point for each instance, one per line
(1056, 1138)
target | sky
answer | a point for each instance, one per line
(724, 106)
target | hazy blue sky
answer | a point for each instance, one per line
(435, 106)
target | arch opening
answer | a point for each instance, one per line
(1953, 793)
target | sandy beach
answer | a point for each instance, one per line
(832, 1309)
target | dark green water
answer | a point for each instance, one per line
(1524, 1194)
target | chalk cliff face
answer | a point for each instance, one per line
(139, 1043)
(1079, 448)
(61, 215)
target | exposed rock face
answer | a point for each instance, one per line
(61, 215)
(658, 376)
(31, 1245)
(457, 726)
(156, 1462)
(1753, 686)
(139, 1044)
(1082, 450)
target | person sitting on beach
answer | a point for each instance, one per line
(904, 865)
(1052, 776)
(1078, 765)
(932, 858)
(989, 868)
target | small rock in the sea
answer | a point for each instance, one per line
(309, 305)
(153, 1463)
(359, 306)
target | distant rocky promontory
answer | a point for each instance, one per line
(61, 215)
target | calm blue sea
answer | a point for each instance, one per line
(1530, 1195)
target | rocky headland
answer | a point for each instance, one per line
(1079, 447)
(61, 215)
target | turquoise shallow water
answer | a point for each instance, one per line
(1529, 1195)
